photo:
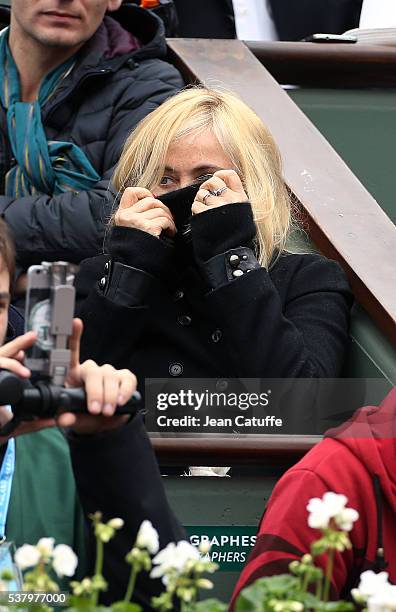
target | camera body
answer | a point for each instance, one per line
(50, 300)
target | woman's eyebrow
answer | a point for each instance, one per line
(200, 168)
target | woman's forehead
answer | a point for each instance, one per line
(198, 149)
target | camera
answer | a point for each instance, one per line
(49, 311)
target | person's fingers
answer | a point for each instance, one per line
(155, 226)
(231, 180)
(148, 203)
(214, 183)
(66, 419)
(198, 207)
(127, 385)
(205, 197)
(132, 195)
(20, 356)
(93, 380)
(154, 213)
(110, 389)
(14, 366)
(74, 343)
(10, 349)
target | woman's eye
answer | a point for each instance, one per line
(166, 180)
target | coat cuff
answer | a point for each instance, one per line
(220, 229)
(124, 285)
(139, 250)
(228, 266)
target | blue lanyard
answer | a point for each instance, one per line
(6, 476)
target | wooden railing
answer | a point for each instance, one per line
(328, 65)
(258, 450)
(345, 221)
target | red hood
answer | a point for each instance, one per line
(371, 436)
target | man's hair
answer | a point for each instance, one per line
(7, 250)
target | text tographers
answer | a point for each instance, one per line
(193, 422)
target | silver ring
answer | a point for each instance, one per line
(206, 196)
(218, 192)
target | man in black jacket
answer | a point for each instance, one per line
(293, 19)
(88, 79)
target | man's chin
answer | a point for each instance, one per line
(61, 40)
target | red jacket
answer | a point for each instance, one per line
(357, 459)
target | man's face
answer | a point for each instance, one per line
(4, 300)
(66, 24)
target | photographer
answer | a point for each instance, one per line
(43, 499)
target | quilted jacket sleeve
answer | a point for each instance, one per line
(70, 226)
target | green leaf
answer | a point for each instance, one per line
(209, 605)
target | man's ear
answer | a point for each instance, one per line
(113, 5)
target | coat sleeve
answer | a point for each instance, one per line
(70, 226)
(117, 474)
(303, 335)
(284, 535)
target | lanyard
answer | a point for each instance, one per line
(6, 476)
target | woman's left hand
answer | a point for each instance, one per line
(228, 187)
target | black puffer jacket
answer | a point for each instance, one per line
(119, 78)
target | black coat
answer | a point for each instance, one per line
(112, 87)
(117, 473)
(294, 19)
(161, 312)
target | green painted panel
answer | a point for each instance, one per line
(361, 126)
(203, 501)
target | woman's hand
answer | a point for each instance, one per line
(228, 186)
(139, 209)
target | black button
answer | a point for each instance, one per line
(216, 336)
(175, 369)
(107, 267)
(234, 261)
(102, 282)
(179, 295)
(221, 385)
(184, 320)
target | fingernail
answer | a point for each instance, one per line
(108, 409)
(155, 195)
(95, 406)
(120, 400)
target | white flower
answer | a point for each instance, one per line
(27, 556)
(204, 547)
(173, 557)
(384, 600)
(331, 506)
(65, 560)
(116, 523)
(371, 583)
(45, 546)
(346, 518)
(147, 537)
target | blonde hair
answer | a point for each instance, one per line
(242, 135)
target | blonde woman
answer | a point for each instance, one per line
(205, 287)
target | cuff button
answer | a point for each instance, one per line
(237, 273)
(234, 261)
